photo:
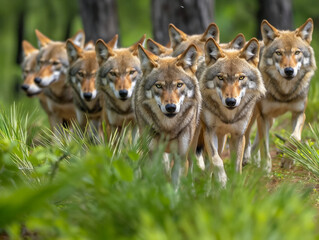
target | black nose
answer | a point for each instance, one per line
(37, 80)
(25, 87)
(289, 71)
(170, 108)
(123, 93)
(87, 95)
(230, 102)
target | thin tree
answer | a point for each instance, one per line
(277, 12)
(191, 16)
(99, 19)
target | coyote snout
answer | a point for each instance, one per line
(231, 93)
(288, 63)
(169, 97)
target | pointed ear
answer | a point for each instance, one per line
(188, 59)
(238, 42)
(74, 51)
(27, 48)
(155, 47)
(42, 40)
(251, 51)
(212, 31)
(89, 46)
(134, 47)
(147, 59)
(212, 51)
(103, 51)
(79, 39)
(305, 31)
(176, 36)
(268, 32)
(113, 42)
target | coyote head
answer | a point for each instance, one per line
(29, 66)
(287, 51)
(52, 60)
(82, 70)
(119, 69)
(169, 81)
(232, 73)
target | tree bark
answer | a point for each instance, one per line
(277, 12)
(191, 16)
(99, 19)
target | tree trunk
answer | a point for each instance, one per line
(191, 16)
(277, 12)
(99, 19)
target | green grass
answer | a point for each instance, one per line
(76, 190)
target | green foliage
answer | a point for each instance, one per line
(78, 190)
(306, 153)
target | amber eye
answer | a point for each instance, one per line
(278, 53)
(220, 78)
(158, 85)
(132, 72)
(55, 63)
(297, 52)
(241, 77)
(179, 85)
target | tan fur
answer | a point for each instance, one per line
(81, 76)
(284, 52)
(29, 68)
(52, 77)
(119, 70)
(230, 85)
(179, 41)
(167, 82)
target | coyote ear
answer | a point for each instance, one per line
(74, 52)
(212, 51)
(113, 42)
(134, 47)
(268, 32)
(155, 47)
(89, 46)
(79, 39)
(238, 42)
(188, 59)
(103, 51)
(305, 31)
(27, 48)
(176, 36)
(212, 31)
(147, 59)
(251, 51)
(42, 40)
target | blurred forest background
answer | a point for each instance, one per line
(59, 19)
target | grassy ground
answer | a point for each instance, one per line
(66, 188)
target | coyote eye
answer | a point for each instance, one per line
(55, 63)
(113, 74)
(278, 53)
(241, 77)
(132, 72)
(179, 85)
(220, 78)
(297, 52)
(81, 74)
(158, 85)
